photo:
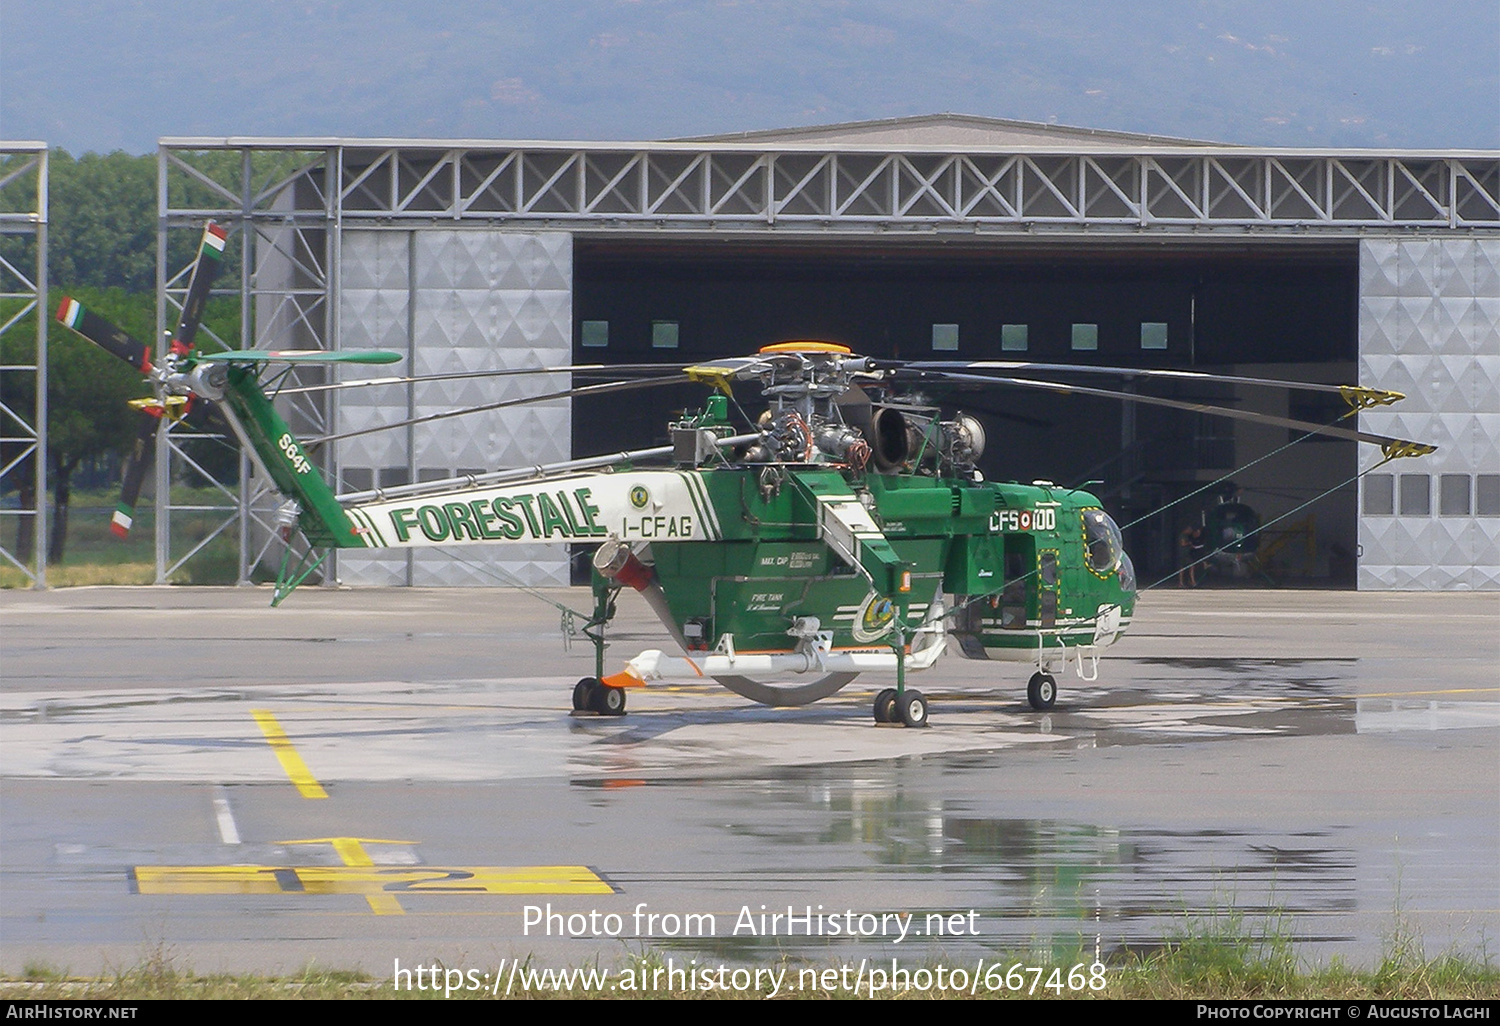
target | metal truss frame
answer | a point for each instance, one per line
(23, 290)
(278, 209)
(287, 202)
(1232, 191)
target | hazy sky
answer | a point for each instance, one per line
(101, 75)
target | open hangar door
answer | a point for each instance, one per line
(1276, 310)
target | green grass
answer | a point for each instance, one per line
(94, 556)
(158, 978)
(1222, 957)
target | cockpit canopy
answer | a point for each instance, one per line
(1103, 546)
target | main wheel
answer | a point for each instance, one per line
(911, 707)
(609, 701)
(1041, 691)
(583, 694)
(885, 706)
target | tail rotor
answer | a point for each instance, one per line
(171, 397)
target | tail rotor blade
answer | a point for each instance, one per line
(142, 455)
(113, 340)
(205, 270)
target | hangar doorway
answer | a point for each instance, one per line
(1276, 310)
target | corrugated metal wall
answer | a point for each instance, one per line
(454, 301)
(1429, 326)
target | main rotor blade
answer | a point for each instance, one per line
(612, 386)
(115, 341)
(1385, 442)
(583, 370)
(205, 270)
(1354, 394)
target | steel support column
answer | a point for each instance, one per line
(23, 307)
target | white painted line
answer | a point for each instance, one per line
(228, 832)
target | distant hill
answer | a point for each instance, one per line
(1276, 72)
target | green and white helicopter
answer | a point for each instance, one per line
(846, 529)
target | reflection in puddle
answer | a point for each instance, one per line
(1387, 715)
(1299, 675)
(1036, 884)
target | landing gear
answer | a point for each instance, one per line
(1041, 691)
(911, 708)
(908, 708)
(592, 695)
(609, 701)
(901, 704)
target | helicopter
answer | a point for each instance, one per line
(846, 529)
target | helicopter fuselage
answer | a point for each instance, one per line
(741, 551)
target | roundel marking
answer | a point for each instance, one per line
(874, 618)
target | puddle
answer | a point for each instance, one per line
(1389, 715)
(58, 710)
(1033, 883)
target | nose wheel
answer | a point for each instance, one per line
(1041, 691)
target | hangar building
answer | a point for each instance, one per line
(941, 237)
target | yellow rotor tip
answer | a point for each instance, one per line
(805, 345)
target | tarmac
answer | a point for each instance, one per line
(387, 778)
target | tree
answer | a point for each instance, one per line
(102, 251)
(88, 399)
(102, 221)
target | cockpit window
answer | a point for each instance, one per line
(1102, 543)
(1127, 573)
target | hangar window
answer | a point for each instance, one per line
(1487, 495)
(1416, 495)
(1453, 495)
(1086, 336)
(425, 474)
(358, 479)
(595, 334)
(393, 477)
(1013, 338)
(945, 337)
(663, 334)
(1153, 335)
(1380, 495)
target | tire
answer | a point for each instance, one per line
(609, 701)
(911, 707)
(885, 706)
(1041, 691)
(583, 694)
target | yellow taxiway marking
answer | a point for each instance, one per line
(370, 881)
(291, 762)
(351, 852)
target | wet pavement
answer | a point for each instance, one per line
(1323, 765)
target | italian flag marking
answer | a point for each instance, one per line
(70, 313)
(214, 239)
